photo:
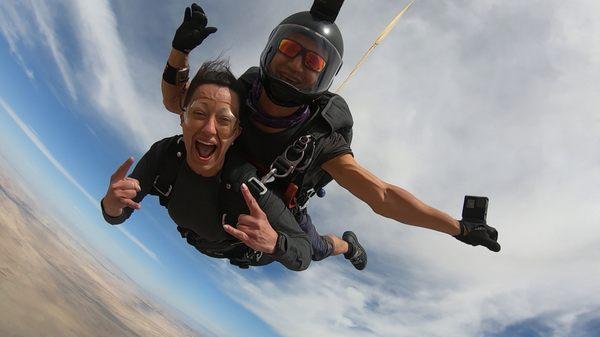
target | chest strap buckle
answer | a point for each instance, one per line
(306, 198)
(290, 159)
(256, 186)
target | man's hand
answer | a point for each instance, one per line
(193, 30)
(476, 234)
(121, 191)
(254, 230)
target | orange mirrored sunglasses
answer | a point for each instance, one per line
(312, 60)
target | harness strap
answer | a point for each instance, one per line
(293, 163)
(331, 114)
(296, 158)
(168, 169)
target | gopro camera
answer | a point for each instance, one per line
(475, 209)
(326, 9)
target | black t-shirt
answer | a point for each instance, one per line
(263, 147)
(194, 204)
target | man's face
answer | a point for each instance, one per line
(293, 69)
(209, 127)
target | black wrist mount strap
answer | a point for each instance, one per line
(280, 245)
(175, 76)
(462, 228)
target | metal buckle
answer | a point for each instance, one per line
(299, 145)
(302, 143)
(250, 257)
(267, 178)
(309, 195)
(253, 256)
(289, 163)
(305, 141)
(164, 194)
(258, 184)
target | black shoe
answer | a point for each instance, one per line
(359, 255)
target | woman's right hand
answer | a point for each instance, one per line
(121, 191)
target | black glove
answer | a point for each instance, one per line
(193, 30)
(477, 233)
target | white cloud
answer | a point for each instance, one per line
(96, 203)
(43, 16)
(489, 98)
(110, 83)
(93, 63)
(138, 243)
(14, 29)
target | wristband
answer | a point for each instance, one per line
(175, 76)
(280, 246)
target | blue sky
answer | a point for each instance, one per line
(488, 98)
(173, 270)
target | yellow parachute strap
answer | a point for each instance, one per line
(382, 36)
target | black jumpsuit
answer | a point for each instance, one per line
(201, 205)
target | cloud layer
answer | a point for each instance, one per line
(60, 168)
(92, 61)
(487, 98)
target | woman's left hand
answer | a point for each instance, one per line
(254, 229)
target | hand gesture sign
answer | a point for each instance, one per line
(121, 191)
(193, 29)
(254, 229)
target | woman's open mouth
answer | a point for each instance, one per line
(205, 149)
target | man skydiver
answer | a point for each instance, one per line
(202, 192)
(174, 85)
(287, 99)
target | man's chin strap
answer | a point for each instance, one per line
(274, 122)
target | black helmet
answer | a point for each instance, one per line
(316, 32)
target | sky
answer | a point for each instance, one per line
(494, 98)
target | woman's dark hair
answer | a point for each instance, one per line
(214, 72)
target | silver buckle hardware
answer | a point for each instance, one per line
(287, 165)
(309, 194)
(257, 185)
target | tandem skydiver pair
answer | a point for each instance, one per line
(286, 101)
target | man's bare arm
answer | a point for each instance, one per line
(190, 34)
(386, 199)
(173, 94)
